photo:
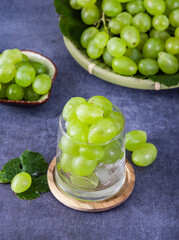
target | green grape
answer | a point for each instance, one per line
(172, 45)
(142, 22)
(171, 5)
(89, 113)
(116, 47)
(154, 7)
(69, 110)
(15, 92)
(118, 118)
(131, 36)
(90, 15)
(134, 139)
(42, 84)
(24, 58)
(103, 103)
(159, 34)
(87, 35)
(25, 75)
(75, 5)
(101, 39)
(89, 182)
(177, 56)
(82, 166)
(93, 51)
(12, 56)
(66, 162)
(167, 63)
(91, 152)
(160, 22)
(115, 26)
(144, 155)
(111, 7)
(134, 54)
(148, 66)
(68, 146)
(30, 95)
(78, 130)
(143, 39)
(3, 88)
(124, 18)
(102, 131)
(7, 72)
(135, 6)
(107, 57)
(152, 47)
(86, 3)
(39, 67)
(112, 153)
(20, 64)
(124, 66)
(21, 182)
(177, 32)
(174, 18)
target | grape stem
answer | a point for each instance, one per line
(103, 20)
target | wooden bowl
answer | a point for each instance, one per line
(102, 71)
(52, 72)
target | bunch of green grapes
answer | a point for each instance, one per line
(91, 125)
(20, 78)
(132, 35)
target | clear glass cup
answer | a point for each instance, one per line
(107, 178)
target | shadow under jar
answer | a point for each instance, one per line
(96, 179)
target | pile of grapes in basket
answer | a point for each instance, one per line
(132, 35)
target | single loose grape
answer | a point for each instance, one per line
(15, 92)
(21, 182)
(124, 18)
(115, 26)
(78, 130)
(177, 32)
(155, 7)
(66, 162)
(69, 110)
(159, 34)
(87, 35)
(25, 75)
(142, 21)
(86, 3)
(144, 155)
(160, 22)
(111, 7)
(103, 103)
(124, 66)
(90, 15)
(135, 6)
(152, 47)
(39, 67)
(42, 84)
(12, 56)
(102, 131)
(148, 66)
(91, 152)
(134, 139)
(118, 118)
(172, 45)
(7, 72)
(68, 146)
(74, 4)
(93, 51)
(89, 113)
(107, 57)
(112, 152)
(134, 54)
(143, 39)
(174, 18)
(101, 39)
(167, 63)
(30, 95)
(82, 166)
(116, 47)
(131, 36)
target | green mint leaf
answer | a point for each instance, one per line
(39, 185)
(167, 80)
(9, 170)
(33, 163)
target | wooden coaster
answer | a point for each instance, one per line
(86, 206)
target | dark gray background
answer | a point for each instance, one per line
(151, 211)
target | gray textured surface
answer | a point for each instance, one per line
(151, 211)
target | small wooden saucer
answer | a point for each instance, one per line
(86, 206)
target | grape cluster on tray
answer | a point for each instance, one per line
(21, 78)
(132, 35)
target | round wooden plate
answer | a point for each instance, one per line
(86, 206)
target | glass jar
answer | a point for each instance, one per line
(108, 172)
